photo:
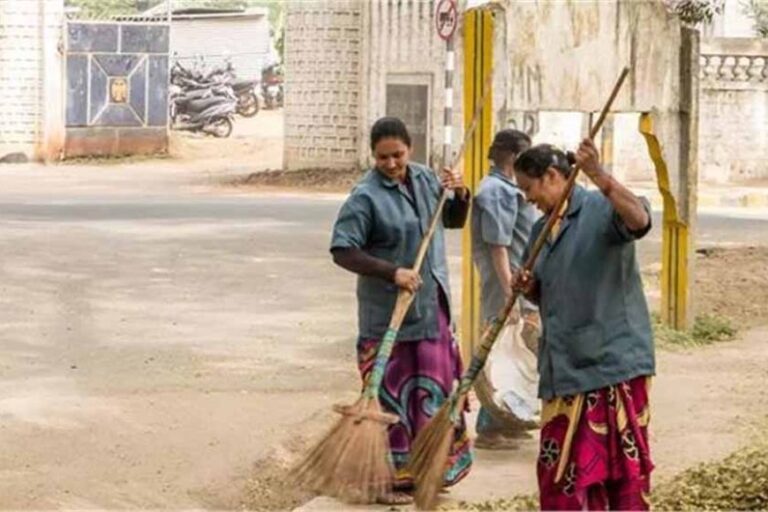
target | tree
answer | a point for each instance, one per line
(758, 11)
(104, 8)
(695, 12)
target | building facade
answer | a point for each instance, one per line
(349, 63)
(31, 79)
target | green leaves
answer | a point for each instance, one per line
(695, 12)
(758, 11)
(707, 329)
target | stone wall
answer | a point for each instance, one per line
(31, 106)
(733, 143)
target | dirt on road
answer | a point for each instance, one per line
(733, 283)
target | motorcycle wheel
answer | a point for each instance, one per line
(248, 105)
(220, 128)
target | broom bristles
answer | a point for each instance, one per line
(429, 455)
(352, 462)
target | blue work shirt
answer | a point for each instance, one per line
(500, 216)
(596, 326)
(382, 218)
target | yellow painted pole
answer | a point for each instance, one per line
(674, 261)
(478, 63)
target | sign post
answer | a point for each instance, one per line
(446, 20)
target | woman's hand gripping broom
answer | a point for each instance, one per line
(352, 462)
(431, 448)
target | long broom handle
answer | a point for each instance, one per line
(405, 297)
(492, 332)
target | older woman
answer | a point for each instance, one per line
(376, 236)
(596, 355)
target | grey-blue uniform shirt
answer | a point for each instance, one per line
(382, 218)
(596, 326)
(500, 216)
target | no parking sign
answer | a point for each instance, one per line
(446, 19)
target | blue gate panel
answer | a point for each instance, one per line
(144, 39)
(91, 37)
(157, 100)
(118, 114)
(77, 90)
(138, 91)
(117, 65)
(99, 93)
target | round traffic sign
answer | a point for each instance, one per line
(446, 18)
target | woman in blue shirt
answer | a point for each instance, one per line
(596, 354)
(376, 236)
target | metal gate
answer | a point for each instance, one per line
(117, 75)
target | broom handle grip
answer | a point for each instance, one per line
(405, 297)
(491, 334)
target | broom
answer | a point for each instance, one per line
(432, 445)
(352, 462)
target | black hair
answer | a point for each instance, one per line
(508, 143)
(387, 127)
(535, 161)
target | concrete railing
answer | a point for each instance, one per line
(731, 61)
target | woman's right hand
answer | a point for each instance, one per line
(407, 279)
(523, 282)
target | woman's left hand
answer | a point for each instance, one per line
(453, 180)
(588, 159)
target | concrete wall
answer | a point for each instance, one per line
(734, 102)
(340, 57)
(323, 88)
(31, 99)
(404, 48)
(566, 56)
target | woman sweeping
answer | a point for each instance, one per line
(376, 236)
(596, 355)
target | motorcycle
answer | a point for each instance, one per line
(272, 88)
(247, 100)
(200, 77)
(212, 115)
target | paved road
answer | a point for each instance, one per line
(155, 343)
(303, 213)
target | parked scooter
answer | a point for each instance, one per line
(247, 100)
(212, 115)
(200, 77)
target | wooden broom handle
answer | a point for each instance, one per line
(405, 297)
(572, 178)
